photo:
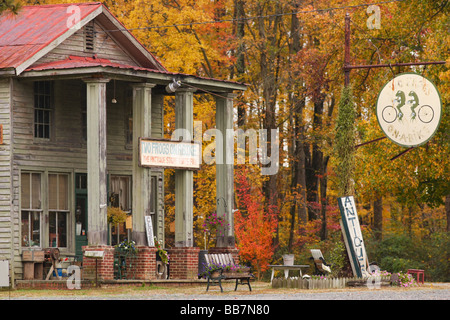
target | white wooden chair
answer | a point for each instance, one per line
(319, 261)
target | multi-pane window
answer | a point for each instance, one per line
(120, 188)
(31, 206)
(45, 215)
(153, 193)
(43, 99)
(58, 205)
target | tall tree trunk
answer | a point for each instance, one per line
(314, 159)
(447, 210)
(239, 14)
(269, 67)
(378, 218)
(323, 198)
(298, 210)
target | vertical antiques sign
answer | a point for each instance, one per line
(353, 236)
(409, 109)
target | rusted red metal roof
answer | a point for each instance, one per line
(82, 62)
(34, 28)
(26, 37)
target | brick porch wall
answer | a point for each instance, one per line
(144, 264)
(183, 262)
(102, 268)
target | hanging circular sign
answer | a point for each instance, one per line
(409, 109)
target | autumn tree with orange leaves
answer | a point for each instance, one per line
(254, 225)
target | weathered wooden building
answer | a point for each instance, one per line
(77, 91)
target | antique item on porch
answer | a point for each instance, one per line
(53, 255)
(33, 264)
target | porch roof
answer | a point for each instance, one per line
(81, 67)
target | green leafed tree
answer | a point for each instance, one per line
(345, 142)
(9, 5)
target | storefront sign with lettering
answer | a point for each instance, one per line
(169, 154)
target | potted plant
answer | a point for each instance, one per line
(126, 246)
(212, 270)
(116, 215)
(214, 226)
(161, 253)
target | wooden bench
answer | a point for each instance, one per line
(226, 259)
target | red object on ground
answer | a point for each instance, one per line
(418, 272)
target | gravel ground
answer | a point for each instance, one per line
(261, 291)
(262, 303)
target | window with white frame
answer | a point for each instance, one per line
(31, 209)
(58, 205)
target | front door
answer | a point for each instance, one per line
(81, 214)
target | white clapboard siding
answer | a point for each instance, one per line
(105, 48)
(7, 229)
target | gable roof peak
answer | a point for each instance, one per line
(27, 37)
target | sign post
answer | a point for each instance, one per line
(353, 236)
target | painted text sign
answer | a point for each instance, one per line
(352, 229)
(169, 154)
(149, 230)
(409, 109)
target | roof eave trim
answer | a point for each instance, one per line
(162, 78)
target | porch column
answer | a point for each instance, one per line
(184, 179)
(96, 161)
(142, 127)
(225, 169)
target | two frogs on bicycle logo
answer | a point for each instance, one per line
(424, 113)
(409, 109)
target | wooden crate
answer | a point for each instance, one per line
(33, 256)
